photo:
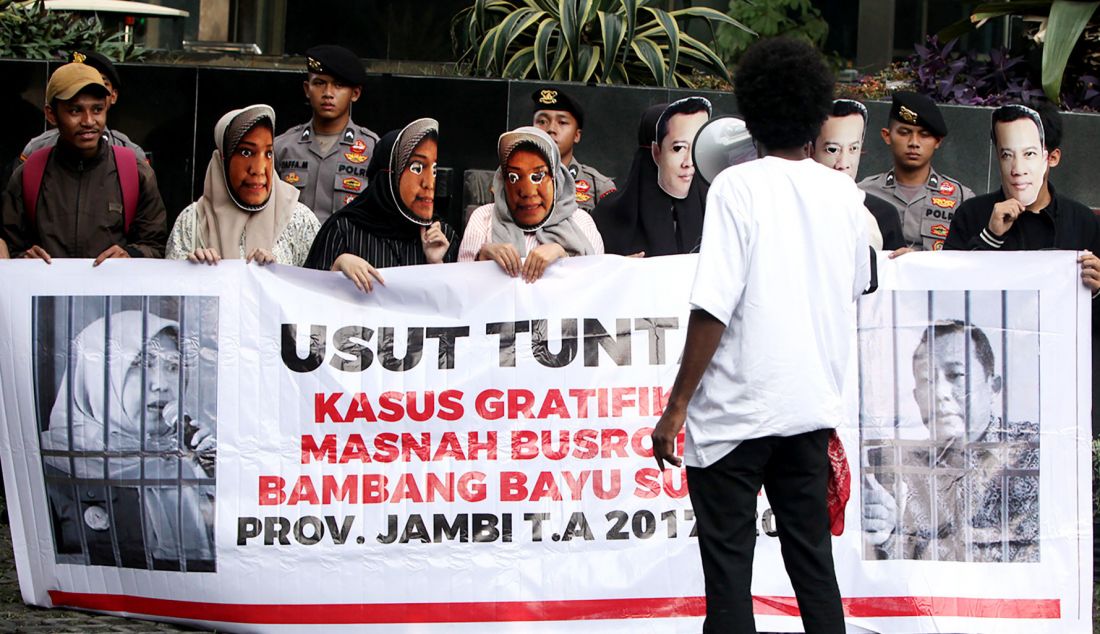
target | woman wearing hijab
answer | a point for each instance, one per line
(122, 393)
(536, 220)
(246, 211)
(660, 210)
(393, 222)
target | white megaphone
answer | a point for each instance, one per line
(721, 142)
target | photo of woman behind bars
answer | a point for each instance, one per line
(129, 443)
(961, 483)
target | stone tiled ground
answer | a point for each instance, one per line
(16, 616)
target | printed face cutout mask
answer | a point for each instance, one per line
(252, 166)
(528, 187)
(840, 143)
(1022, 158)
(416, 185)
(672, 151)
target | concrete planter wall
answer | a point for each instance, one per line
(171, 110)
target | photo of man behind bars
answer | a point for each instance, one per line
(126, 399)
(949, 425)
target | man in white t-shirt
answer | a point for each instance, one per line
(784, 256)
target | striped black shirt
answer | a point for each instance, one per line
(339, 235)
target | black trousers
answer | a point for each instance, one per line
(794, 470)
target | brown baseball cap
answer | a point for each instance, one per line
(70, 79)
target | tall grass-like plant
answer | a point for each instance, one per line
(29, 31)
(608, 41)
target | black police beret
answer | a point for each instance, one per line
(336, 61)
(917, 109)
(100, 63)
(550, 98)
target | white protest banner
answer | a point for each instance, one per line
(267, 449)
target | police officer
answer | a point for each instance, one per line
(110, 77)
(327, 158)
(562, 118)
(925, 199)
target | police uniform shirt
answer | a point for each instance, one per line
(592, 186)
(926, 219)
(327, 180)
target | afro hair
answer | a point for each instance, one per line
(784, 91)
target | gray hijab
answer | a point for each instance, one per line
(558, 227)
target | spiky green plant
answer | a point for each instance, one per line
(29, 31)
(609, 41)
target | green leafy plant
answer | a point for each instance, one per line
(29, 31)
(610, 41)
(798, 19)
(1064, 26)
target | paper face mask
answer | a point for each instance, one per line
(676, 131)
(1022, 158)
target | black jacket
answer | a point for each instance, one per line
(1064, 224)
(889, 222)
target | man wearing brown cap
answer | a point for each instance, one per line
(925, 199)
(327, 158)
(563, 119)
(82, 198)
(109, 74)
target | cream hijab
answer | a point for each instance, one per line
(222, 219)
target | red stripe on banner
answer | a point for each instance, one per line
(925, 606)
(593, 609)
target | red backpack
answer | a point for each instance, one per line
(125, 160)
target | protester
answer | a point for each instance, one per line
(109, 74)
(536, 222)
(840, 146)
(924, 198)
(979, 501)
(393, 223)
(1028, 214)
(122, 394)
(784, 256)
(560, 116)
(660, 210)
(82, 197)
(245, 211)
(326, 158)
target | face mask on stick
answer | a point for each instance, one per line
(1022, 156)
